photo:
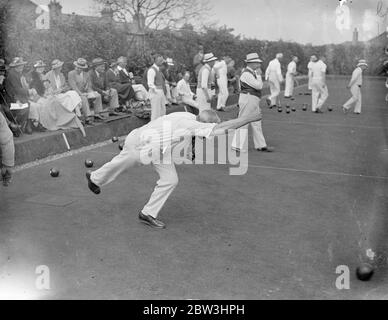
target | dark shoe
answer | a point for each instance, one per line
(39, 128)
(266, 149)
(151, 221)
(222, 109)
(28, 127)
(280, 109)
(318, 111)
(99, 117)
(6, 177)
(268, 102)
(93, 187)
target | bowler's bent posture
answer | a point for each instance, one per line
(159, 137)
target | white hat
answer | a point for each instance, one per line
(208, 57)
(362, 62)
(170, 62)
(253, 57)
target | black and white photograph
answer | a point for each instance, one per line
(205, 153)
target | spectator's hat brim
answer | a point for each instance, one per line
(362, 63)
(81, 63)
(98, 62)
(209, 57)
(252, 58)
(56, 64)
(17, 62)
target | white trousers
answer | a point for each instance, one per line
(190, 101)
(289, 90)
(274, 86)
(248, 105)
(355, 99)
(128, 158)
(158, 104)
(223, 93)
(201, 99)
(319, 94)
(309, 84)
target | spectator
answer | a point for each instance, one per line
(125, 76)
(171, 80)
(198, 61)
(157, 88)
(79, 81)
(53, 114)
(233, 83)
(184, 91)
(3, 102)
(7, 151)
(124, 90)
(99, 84)
(18, 92)
(70, 99)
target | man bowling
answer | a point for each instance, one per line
(154, 144)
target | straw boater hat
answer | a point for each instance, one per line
(98, 62)
(209, 57)
(362, 62)
(16, 62)
(39, 64)
(253, 57)
(170, 62)
(56, 64)
(81, 63)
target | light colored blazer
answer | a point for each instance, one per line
(63, 84)
(79, 84)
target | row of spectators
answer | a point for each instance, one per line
(36, 100)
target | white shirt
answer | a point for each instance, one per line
(250, 80)
(274, 71)
(318, 69)
(151, 77)
(221, 69)
(357, 77)
(184, 89)
(122, 69)
(166, 132)
(291, 68)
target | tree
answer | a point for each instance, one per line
(158, 14)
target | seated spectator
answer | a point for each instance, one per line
(18, 92)
(99, 84)
(124, 90)
(125, 76)
(70, 99)
(53, 114)
(79, 81)
(184, 91)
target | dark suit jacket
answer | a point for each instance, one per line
(14, 88)
(99, 83)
